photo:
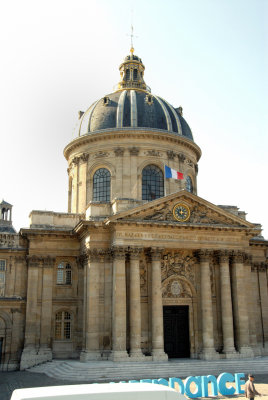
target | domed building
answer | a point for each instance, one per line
(140, 267)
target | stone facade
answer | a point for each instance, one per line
(97, 282)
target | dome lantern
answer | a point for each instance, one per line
(131, 72)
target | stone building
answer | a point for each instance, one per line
(140, 267)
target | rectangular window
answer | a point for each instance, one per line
(2, 277)
(67, 330)
(60, 276)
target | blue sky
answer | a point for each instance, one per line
(58, 57)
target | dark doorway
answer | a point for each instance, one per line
(1, 345)
(176, 331)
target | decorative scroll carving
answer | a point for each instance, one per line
(176, 289)
(153, 153)
(259, 266)
(223, 255)
(75, 160)
(119, 252)
(204, 255)
(247, 259)
(134, 151)
(189, 162)
(101, 154)
(135, 253)
(119, 151)
(143, 278)
(238, 256)
(96, 255)
(156, 253)
(180, 264)
(84, 157)
(171, 154)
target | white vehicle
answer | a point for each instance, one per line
(102, 391)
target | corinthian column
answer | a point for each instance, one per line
(135, 304)
(208, 351)
(119, 305)
(226, 306)
(91, 298)
(240, 305)
(157, 308)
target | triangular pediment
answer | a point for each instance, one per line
(202, 212)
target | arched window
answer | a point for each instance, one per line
(101, 185)
(63, 325)
(152, 183)
(64, 274)
(189, 184)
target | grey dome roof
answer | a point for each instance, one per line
(133, 108)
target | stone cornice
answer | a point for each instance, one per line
(138, 133)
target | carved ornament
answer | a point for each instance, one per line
(153, 153)
(135, 253)
(223, 255)
(119, 252)
(156, 253)
(176, 289)
(171, 155)
(134, 151)
(101, 154)
(84, 157)
(181, 157)
(190, 163)
(119, 151)
(204, 255)
(238, 257)
(179, 264)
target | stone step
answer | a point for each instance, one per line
(102, 371)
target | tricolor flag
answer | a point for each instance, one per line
(172, 173)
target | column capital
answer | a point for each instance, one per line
(247, 259)
(204, 255)
(48, 262)
(238, 256)
(156, 253)
(223, 255)
(135, 252)
(95, 255)
(34, 261)
(119, 252)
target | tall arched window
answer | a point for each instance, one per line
(189, 184)
(63, 325)
(64, 274)
(152, 183)
(101, 185)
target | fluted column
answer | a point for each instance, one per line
(91, 297)
(226, 306)
(28, 357)
(240, 305)
(208, 351)
(264, 303)
(135, 304)
(119, 305)
(157, 308)
(45, 350)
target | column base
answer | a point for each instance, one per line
(246, 352)
(159, 355)
(209, 354)
(92, 355)
(29, 358)
(136, 355)
(118, 355)
(231, 354)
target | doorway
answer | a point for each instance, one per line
(176, 331)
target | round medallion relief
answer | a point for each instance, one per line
(175, 288)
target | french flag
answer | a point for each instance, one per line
(172, 173)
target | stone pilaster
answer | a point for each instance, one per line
(262, 269)
(240, 305)
(91, 350)
(119, 305)
(157, 308)
(226, 305)
(45, 351)
(208, 351)
(135, 304)
(29, 354)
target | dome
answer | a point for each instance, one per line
(133, 106)
(133, 109)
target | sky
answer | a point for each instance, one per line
(208, 56)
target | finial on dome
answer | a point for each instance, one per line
(132, 50)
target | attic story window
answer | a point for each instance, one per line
(149, 99)
(135, 74)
